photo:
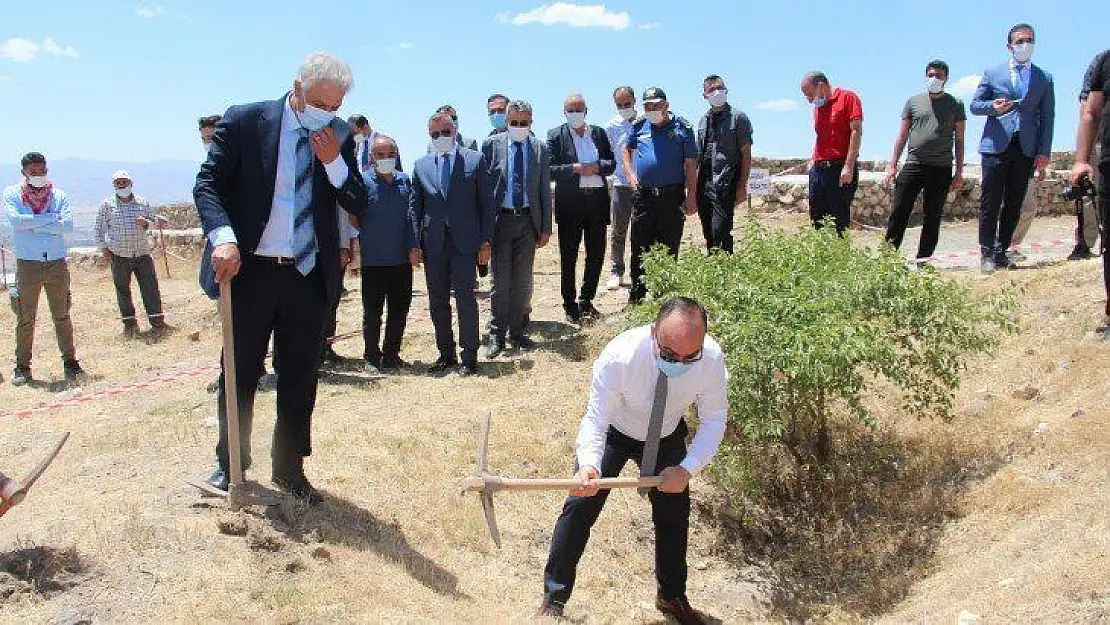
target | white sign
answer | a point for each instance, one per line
(759, 182)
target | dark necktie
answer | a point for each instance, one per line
(655, 429)
(365, 154)
(304, 232)
(518, 175)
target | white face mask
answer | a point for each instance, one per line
(443, 144)
(385, 165)
(208, 146)
(1023, 52)
(576, 120)
(934, 85)
(124, 192)
(627, 114)
(518, 133)
(359, 137)
(717, 97)
(657, 117)
(37, 182)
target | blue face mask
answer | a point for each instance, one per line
(315, 118)
(819, 102)
(498, 120)
(673, 369)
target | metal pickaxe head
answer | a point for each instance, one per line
(477, 482)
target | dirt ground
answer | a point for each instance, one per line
(112, 533)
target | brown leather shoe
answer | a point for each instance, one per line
(550, 609)
(679, 609)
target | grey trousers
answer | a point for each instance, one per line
(143, 269)
(621, 216)
(513, 256)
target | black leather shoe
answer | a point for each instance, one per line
(299, 487)
(467, 370)
(393, 363)
(443, 366)
(72, 370)
(550, 609)
(1080, 252)
(679, 609)
(21, 376)
(331, 356)
(574, 315)
(521, 341)
(588, 311)
(218, 480)
(494, 347)
(1002, 261)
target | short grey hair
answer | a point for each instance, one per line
(381, 138)
(438, 115)
(814, 77)
(624, 89)
(323, 67)
(520, 106)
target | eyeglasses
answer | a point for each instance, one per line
(670, 356)
(442, 133)
(519, 124)
(625, 106)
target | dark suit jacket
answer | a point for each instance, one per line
(560, 148)
(465, 209)
(496, 152)
(1037, 112)
(235, 187)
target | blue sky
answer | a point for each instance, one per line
(125, 80)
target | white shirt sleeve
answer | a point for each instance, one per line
(712, 420)
(337, 172)
(221, 235)
(604, 398)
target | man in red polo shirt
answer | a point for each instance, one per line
(833, 176)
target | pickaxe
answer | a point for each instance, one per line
(486, 485)
(12, 492)
(239, 493)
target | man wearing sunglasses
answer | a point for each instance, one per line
(454, 226)
(643, 382)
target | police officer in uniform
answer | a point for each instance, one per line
(660, 167)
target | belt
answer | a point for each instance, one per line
(518, 212)
(828, 164)
(657, 191)
(590, 190)
(283, 261)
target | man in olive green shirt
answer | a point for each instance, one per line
(933, 125)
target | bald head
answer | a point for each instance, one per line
(815, 85)
(384, 147)
(680, 327)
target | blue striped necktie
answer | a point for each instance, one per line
(518, 175)
(304, 232)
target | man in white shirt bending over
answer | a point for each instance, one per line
(643, 382)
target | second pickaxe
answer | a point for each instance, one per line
(486, 485)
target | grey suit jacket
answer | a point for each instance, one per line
(496, 152)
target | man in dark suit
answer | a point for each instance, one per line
(454, 219)
(581, 158)
(521, 196)
(266, 197)
(1020, 104)
(465, 142)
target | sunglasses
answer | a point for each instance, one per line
(669, 356)
(442, 133)
(519, 124)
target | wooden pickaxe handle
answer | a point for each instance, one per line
(494, 483)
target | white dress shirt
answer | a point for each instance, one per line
(617, 129)
(277, 237)
(623, 390)
(587, 153)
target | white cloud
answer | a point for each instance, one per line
(50, 47)
(3, 78)
(965, 87)
(778, 106)
(148, 11)
(648, 25)
(570, 14)
(404, 45)
(24, 50)
(19, 50)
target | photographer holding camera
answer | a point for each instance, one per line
(1095, 110)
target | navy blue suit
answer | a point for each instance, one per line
(235, 187)
(1008, 147)
(452, 225)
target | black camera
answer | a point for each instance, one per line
(1078, 191)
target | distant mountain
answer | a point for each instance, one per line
(88, 182)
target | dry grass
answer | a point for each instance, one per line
(395, 541)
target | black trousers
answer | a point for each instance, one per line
(670, 513)
(1005, 180)
(716, 209)
(142, 267)
(657, 217)
(828, 197)
(914, 179)
(587, 219)
(390, 289)
(448, 269)
(275, 299)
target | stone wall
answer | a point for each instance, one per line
(872, 204)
